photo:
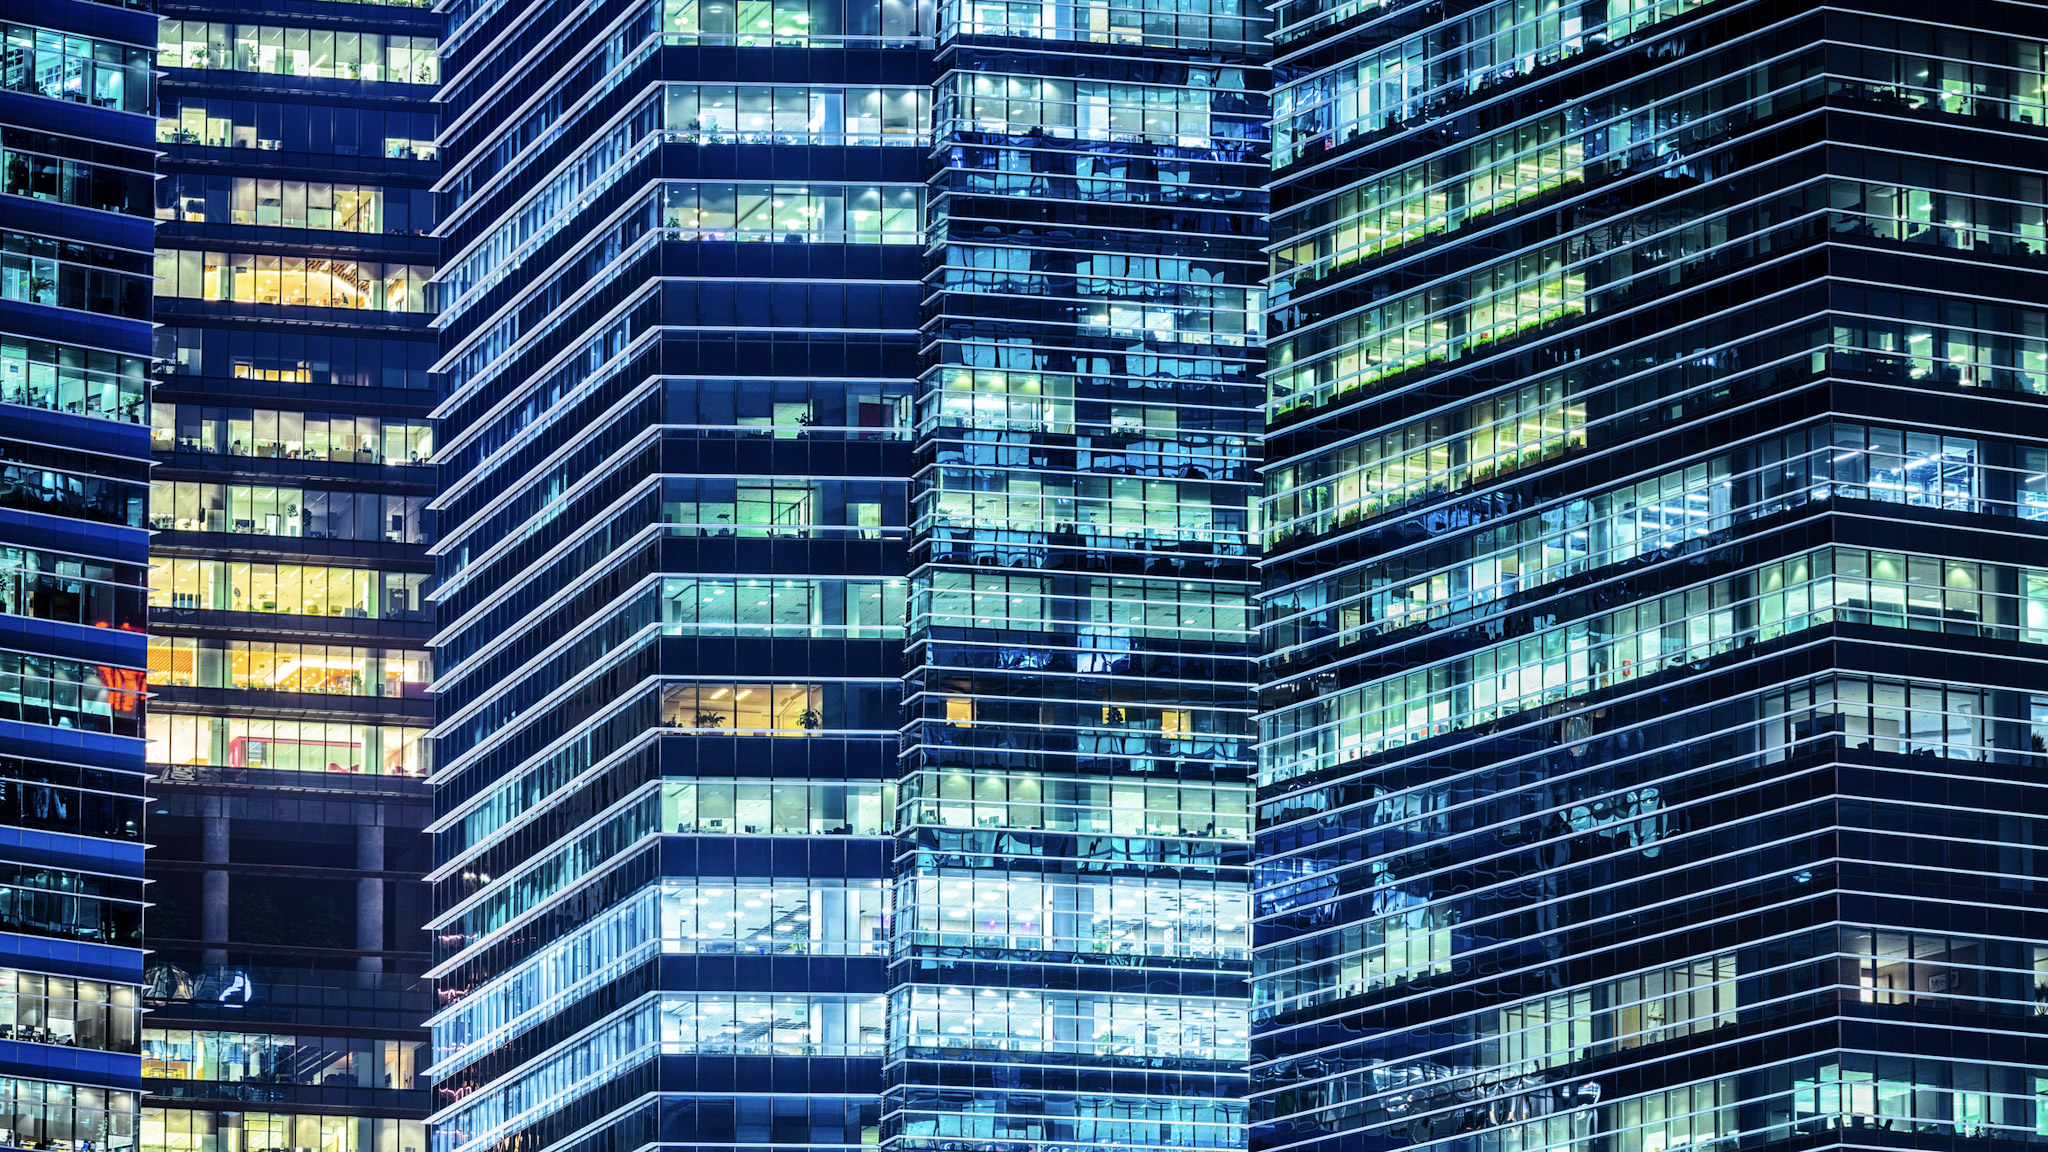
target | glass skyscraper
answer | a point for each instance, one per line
(1655, 705)
(1071, 907)
(679, 313)
(847, 643)
(288, 615)
(76, 93)
(700, 847)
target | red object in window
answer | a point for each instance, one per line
(125, 687)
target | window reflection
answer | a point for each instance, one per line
(268, 1058)
(68, 694)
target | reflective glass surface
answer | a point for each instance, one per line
(1653, 711)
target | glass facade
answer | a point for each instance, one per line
(679, 319)
(1071, 907)
(288, 605)
(1654, 702)
(710, 871)
(76, 164)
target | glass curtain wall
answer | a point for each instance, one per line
(287, 596)
(76, 168)
(1654, 713)
(679, 317)
(1071, 910)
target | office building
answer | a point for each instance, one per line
(1655, 709)
(679, 308)
(1070, 941)
(705, 452)
(288, 612)
(75, 235)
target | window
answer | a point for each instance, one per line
(64, 378)
(322, 669)
(745, 709)
(765, 607)
(793, 114)
(198, 1130)
(56, 586)
(269, 1058)
(267, 510)
(319, 205)
(69, 694)
(760, 1024)
(294, 281)
(1088, 1024)
(809, 213)
(793, 23)
(1901, 467)
(69, 274)
(288, 435)
(313, 52)
(296, 589)
(784, 506)
(76, 68)
(42, 1114)
(40, 1009)
(1181, 920)
(1378, 474)
(285, 745)
(782, 919)
(45, 176)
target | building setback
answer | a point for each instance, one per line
(76, 92)
(679, 318)
(1654, 712)
(288, 612)
(1071, 907)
